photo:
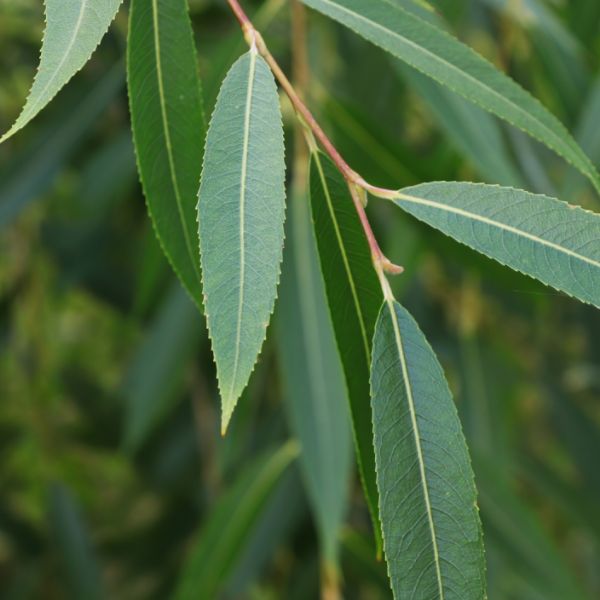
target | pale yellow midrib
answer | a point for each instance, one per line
(244, 173)
(417, 436)
(475, 217)
(363, 329)
(168, 142)
(33, 108)
(452, 67)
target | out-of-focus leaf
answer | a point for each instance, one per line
(550, 240)
(73, 31)
(79, 565)
(226, 529)
(156, 372)
(431, 530)
(32, 173)
(533, 166)
(451, 63)
(354, 297)
(473, 131)
(314, 386)
(241, 213)
(168, 127)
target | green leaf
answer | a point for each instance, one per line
(168, 127)
(241, 212)
(451, 63)
(431, 530)
(354, 296)
(227, 528)
(73, 31)
(314, 387)
(550, 240)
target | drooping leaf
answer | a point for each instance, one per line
(73, 31)
(440, 56)
(354, 297)
(314, 386)
(431, 530)
(157, 369)
(227, 528)
(241, 214)
(168, 127)
(550, 240)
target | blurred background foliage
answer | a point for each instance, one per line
(114, 481)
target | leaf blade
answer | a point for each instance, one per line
(451, 63)
(547, 239)
(354, 297)
(441, 553)
(243, 206)
(168, 125)
(86, 23)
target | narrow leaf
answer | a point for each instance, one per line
(545, 238)
(451, 63)
(228, 527)
(241, 212)
(168, 127)
(315, 390)
(431, 530)
(354, 297)
(73, 31)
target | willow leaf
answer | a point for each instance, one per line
(354, 298)
(168, 127)
(73, 31)
(228, 527)
(550, 240)
(443, 58)
(315, 391)
(241, 213)
(431, 530)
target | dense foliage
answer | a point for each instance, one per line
(134, 318)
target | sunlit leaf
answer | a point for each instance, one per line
(241, 213)
(550, 240)
(73, 31)
(431, 530)
(168, 127)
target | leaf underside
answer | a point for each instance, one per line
(73, 31)
(443, 58)
(241, 212)
(168, 127)
(354, 297)
(548, 239)
(431, 530)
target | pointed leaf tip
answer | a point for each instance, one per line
(241, 212)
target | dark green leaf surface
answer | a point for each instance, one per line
(168, 127)
(354, 297)
(545, 238)
(73, 31)
(314, 386)
(451, 63)
(431, 530)
(228, 527)
(241, 213)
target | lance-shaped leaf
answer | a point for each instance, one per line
(315, 391)
(228, 527)
(431, 530)
(168, 127)
(73, 31)
(241, 212)
(548, 239)
(440, 56)
(354, 297)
